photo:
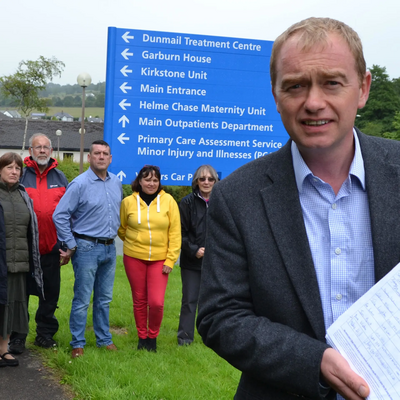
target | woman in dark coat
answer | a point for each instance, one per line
(19, 253)
(193, 209)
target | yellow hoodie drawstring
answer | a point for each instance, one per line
(138, 209)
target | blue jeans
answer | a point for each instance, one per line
(94, 269)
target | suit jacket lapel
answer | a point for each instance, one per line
(284, 213)
(382, 173)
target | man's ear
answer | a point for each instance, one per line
(364, 89)
(276, 101)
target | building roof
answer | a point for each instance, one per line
(63, 114)
(4, 116)
(12, 133)
(11, 113)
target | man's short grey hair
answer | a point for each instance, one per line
(35, 135)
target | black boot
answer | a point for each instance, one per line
(152, 345)
(142, 344)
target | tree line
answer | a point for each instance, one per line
(381, 114)
(57, 95)
(92, 100)
(71, 95)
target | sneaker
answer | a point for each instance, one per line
(16, 346)
(46, 343)
(184, 342)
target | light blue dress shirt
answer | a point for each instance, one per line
(339, 233)
(90, 206)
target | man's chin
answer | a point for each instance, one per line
(42, 162)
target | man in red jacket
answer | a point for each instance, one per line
(45, 185)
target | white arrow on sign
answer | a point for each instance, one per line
(124, 120)
(123, 105)
(124, 88)
(126, 53)
(125, 71)
(121, 175)
(126, 36)
(122, 138)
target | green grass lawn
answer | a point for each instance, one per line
(173, 373)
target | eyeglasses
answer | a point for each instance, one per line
(151, 166)
(39, 148)
(209, 179)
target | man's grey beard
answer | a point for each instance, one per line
(41, 161)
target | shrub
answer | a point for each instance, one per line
(178, 192)
(70, 168)
(127, 190)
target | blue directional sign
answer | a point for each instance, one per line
(179, 100)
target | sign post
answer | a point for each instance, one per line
(180, 100)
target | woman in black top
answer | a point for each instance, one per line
(193, 209)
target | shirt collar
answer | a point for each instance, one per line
(94, 177)
(301, 170)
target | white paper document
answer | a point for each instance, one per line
(368, 336)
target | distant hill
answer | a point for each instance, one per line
(69, 95)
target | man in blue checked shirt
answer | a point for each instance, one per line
(296, 237)
(87, 221)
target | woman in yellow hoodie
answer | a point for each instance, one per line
(151, 232)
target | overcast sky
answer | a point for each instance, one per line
(75, 31)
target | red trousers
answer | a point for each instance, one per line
(148, 285)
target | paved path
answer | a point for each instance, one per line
(119, 244)
(30, 381)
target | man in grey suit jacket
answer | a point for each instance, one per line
(264, 302)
